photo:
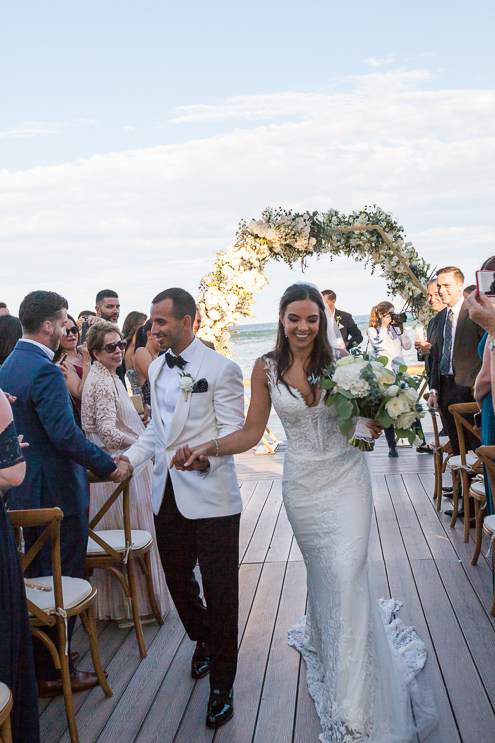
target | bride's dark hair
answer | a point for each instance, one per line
(321, 355)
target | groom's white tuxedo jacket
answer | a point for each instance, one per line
(198, 417)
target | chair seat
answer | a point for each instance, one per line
(457, 462)
(74, 590)
(442, 441)
(4, 696)
(478, 488)
(489, 523)
(116, 539)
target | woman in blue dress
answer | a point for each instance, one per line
(16, 651)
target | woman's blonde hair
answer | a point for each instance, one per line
(96, 336)
(380, 309)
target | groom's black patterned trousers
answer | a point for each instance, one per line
(214, 544)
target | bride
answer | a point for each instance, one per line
(361, 662)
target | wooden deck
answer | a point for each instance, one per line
(415, 557)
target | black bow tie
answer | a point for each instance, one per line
(174, 361)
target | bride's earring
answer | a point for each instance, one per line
(285, 332)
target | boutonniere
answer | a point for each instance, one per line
(338, 319)
(186, 383)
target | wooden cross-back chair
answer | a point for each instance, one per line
(66, 597)
(464, 467)
(487, 456)
(5, 707)
(117, 551)
(442, 451)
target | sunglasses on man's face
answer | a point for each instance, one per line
(73, 330)
(112, 347)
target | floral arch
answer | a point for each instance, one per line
(371, 235)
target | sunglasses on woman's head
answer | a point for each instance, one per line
(73, 330)
(112, 347)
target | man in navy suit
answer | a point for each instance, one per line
(58, 455)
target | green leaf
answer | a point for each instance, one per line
(384, 418)
(383, 360)
(346, 393)
(345, 426)
(344, 407)
(328, 384)
(402, 368)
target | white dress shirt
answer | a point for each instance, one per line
(456, 310)
(47, 350)
(167, 385)
(387, 342)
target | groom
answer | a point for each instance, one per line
(196, 395)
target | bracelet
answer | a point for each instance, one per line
(217, 451)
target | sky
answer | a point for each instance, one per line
(135, 136)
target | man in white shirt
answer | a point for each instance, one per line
(196, 394)
(455, 362)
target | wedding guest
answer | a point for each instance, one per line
(57, 458)
(147, 350)
(16, 648)
(388, 338)
(423, 347)
(351, 335)
(468, 290)
(108, 305)
(10, 332)
(111, 421)
(82, 316)
(77, 363)
(483, 393)
(196, 327)
(4, 310)
(482, 312)
(133, 321)
(455, 362)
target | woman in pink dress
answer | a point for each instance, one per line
(110, 420)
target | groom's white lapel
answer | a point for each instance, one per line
(184, 401)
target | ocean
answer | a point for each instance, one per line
(249, 342)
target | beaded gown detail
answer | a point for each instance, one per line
(361, 660)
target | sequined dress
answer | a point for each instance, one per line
(361, 660)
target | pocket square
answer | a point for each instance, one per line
(200, 386)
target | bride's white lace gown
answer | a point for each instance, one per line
(361, 662)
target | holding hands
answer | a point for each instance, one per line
(124, 469)
(188, 458)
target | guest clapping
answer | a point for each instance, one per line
(110, 420)
(388, 337)
(77, 363)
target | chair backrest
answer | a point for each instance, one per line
(459, 411)
(487, 456)
(121, 489)
(51, 518)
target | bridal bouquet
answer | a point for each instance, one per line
(361, 386)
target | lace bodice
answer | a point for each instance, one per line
(108, 415)
(311, 432)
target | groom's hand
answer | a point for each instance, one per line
(181, 457)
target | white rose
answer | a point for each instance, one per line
(395, 406)
(411, 395)
(186, 384)
(346, 360)
(406, 420)
(392, 391)
(359, 388)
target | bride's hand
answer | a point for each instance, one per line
(188, 458)
(375, 427)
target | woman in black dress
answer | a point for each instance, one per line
(16, 651)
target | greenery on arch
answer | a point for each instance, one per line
(371, 236)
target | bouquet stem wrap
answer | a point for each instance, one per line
(362, 438)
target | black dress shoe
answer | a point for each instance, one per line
(424, 449)
(392, 452)
(450, 512)
(448, 491)
(200, 664)
(220, 707)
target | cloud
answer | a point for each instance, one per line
(35, 128)
(145, 219)
(373, 62)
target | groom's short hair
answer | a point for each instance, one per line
(182, 302)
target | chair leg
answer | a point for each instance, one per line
(151, 588)
(66, 685)
(478, 512)
(493, 607)
(6, 731)
(89, 623)
(437, 475)
(467, 510)
(455, 509)
(439, 481)
(135, 608)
